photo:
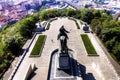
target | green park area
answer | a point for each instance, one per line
(38, 46)
(88, 45)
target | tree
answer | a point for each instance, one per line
(70, 12)
(110, 43)
(104, 17)
(62, 12)
(43, 15)
(98, 29)
(87, 16)
(109, 24)
(116, 51)
(107, 12)
(78, 14)
(51, 13)
(27, 26)
(118, 23)
(97, 13)
(96, 25)
(13, 46)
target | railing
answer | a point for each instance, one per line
(22, 57)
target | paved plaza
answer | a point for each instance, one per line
(94, 67)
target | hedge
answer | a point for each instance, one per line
(78, 27)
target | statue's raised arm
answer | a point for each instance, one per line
(62, 29)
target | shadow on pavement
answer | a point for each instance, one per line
(32, 74)
(77, 69)
(86, 76)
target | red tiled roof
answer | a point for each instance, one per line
(2, 19)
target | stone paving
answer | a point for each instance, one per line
(94, 67)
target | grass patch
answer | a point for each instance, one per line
(78, 27)
(38, 46)
(81, 22)
(48, 26)
(88, 45)
(53, 19)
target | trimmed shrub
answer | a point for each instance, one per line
(78, 27)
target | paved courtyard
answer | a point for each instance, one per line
(95, 67)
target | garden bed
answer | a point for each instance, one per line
(88, 45)
(37, 50)
(48, 25)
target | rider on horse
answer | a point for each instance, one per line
(63, 31)
(63, 39)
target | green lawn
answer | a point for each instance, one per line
(88, 45)
(38, 45)
(48, 26)
(78, 27)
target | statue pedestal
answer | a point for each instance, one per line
(63, 67)
(63, 61)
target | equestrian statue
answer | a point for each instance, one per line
(62, 36)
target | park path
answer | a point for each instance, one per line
(96, 67)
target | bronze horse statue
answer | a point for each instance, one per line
(63, 40)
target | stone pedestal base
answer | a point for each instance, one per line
(63, 67)
(63, 61)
